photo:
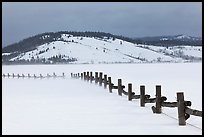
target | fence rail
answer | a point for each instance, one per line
(183, 111)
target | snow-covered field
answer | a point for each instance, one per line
(73, 106)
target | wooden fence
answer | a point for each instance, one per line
(32, 76)
(184, 111)
(160, 101)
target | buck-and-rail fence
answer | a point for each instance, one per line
(182, 105)
(184, 111)
(8, 75)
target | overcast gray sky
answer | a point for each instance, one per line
(133, 19)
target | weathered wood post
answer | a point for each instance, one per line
(105, 81)
(100, 78)
(158, 99)
(120, 87)
(96, 77)
(18, 75)
(87, 76)
(110, 84)
(78, 75)
(84, 75)
(33, 75)
(13, 75)
(8, 75)
(28, 75)
(142, 95)
(129, 91)
(23, 75)
(91, 77)
(63, 75)
(181, 108)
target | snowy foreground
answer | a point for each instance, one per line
(73, 106)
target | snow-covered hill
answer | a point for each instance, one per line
(80, 49)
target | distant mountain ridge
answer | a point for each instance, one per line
(96, 47)
(180, 39)
(156, 40)
(24, 45)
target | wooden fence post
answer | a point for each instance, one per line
(129, 91)
(13, 75)
(142, 95)
(100, 78)
(181, 108)
(158, 99)
(87, 76)
(54, 74)
(105, 81)
(120, 87)
(96, 77)
(110, 84)
(84, 75)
